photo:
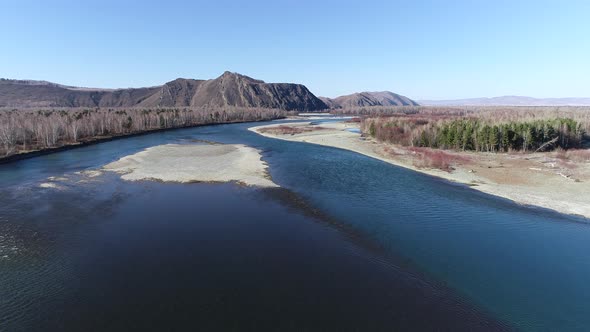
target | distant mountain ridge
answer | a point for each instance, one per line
(229, 89)
(365, 99)
(509, 101)
(47, 83)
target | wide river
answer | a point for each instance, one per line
(348, 243)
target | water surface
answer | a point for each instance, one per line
(352, 243)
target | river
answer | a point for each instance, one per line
(348, 243)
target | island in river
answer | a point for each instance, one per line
(531, 179)
(186, 163)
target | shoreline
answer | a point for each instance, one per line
(70, 146)
(545, 190)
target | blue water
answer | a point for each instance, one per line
(527, 267)
(354, 130)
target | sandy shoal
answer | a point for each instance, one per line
(529, 179)
(195, 163)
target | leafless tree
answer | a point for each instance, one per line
(24, 130)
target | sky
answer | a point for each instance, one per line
(421, 49)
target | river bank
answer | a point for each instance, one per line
(538, 179)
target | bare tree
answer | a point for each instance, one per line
(31, 129)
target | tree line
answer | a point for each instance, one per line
(24, 130)
(480, 132)
(524, 136)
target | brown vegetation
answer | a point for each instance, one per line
(353, 120)
(497, 113)
(289, 130)
(577, 155)
(437, 159)
(28, 130)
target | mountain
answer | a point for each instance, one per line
(361, 99)
(26, 93)
(509, 101)
(230, 89)
(329, 102)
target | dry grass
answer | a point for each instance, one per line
(391, 152)
(437, 159)
(576, 155)
(353, 120)
(492, 113)
(289, 130)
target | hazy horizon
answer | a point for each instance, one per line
(425, 50)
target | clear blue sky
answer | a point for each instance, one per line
(423, 49)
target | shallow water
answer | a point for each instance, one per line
(352, 243)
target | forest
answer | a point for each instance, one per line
(23, 130)
(487, 130)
